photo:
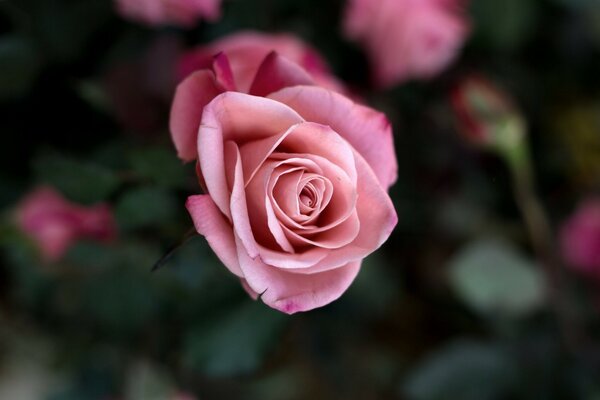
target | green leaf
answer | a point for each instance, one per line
(19, 66)
(120, 301)
(373, 274)
(493, 278)
(79, 180)
(160, 166)
(65, 27)
(462, 370)
(145, 206)
(193, 264)
(235, 342)
(146, 381)
(92, 255)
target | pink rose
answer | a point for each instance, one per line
(580, 238)
(295, 175)
(407, 39)
(169, 12)
(55, 224)
(247, 50)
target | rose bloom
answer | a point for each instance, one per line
(295, 177)
(183, 13)
(54, 223)
(246, 51)
(580, 238)
(406, 39)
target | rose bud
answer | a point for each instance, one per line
(295, 177)
(54, 223)
(184, 13)
(580, 239)
(486, 115)
(407, 39)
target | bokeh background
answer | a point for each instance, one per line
(455, 305)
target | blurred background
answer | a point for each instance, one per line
(489, 287)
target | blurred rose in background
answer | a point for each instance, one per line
(407, 39)
(54, 223)
(169, 12)
(580, 238)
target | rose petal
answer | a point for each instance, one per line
(284, 192)
(191, 96)
(367, 130)
(291, 293)
(211, 224)
(377, 220)
(303, 137)
(238, 205)
(233, 116)
(261, 218)
(332, 238)
(223, 73)
(277, 72)
(344, 193)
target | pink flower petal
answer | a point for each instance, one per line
(211, 224)
(223, 73)
(277, 72)
(335, 237)
(238, 205)
(262, 219)
(195, 92)
(377, 220)
(367, 130)
(289, 292)
(234, 116)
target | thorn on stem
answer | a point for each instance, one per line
(167, 256)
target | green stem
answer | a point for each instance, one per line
(541, 236)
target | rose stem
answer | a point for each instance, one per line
(541, 236)
(167, 256)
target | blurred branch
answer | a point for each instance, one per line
(543, 241)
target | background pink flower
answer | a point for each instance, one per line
(406, 39)
(580, 238)
(55, 223)
(169, 12)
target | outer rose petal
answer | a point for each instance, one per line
(247, 50)
(191, 96)
(289, 292)
(210, 223)
(367, 130)
(275, 73)
(233, 116)
(223, 72)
